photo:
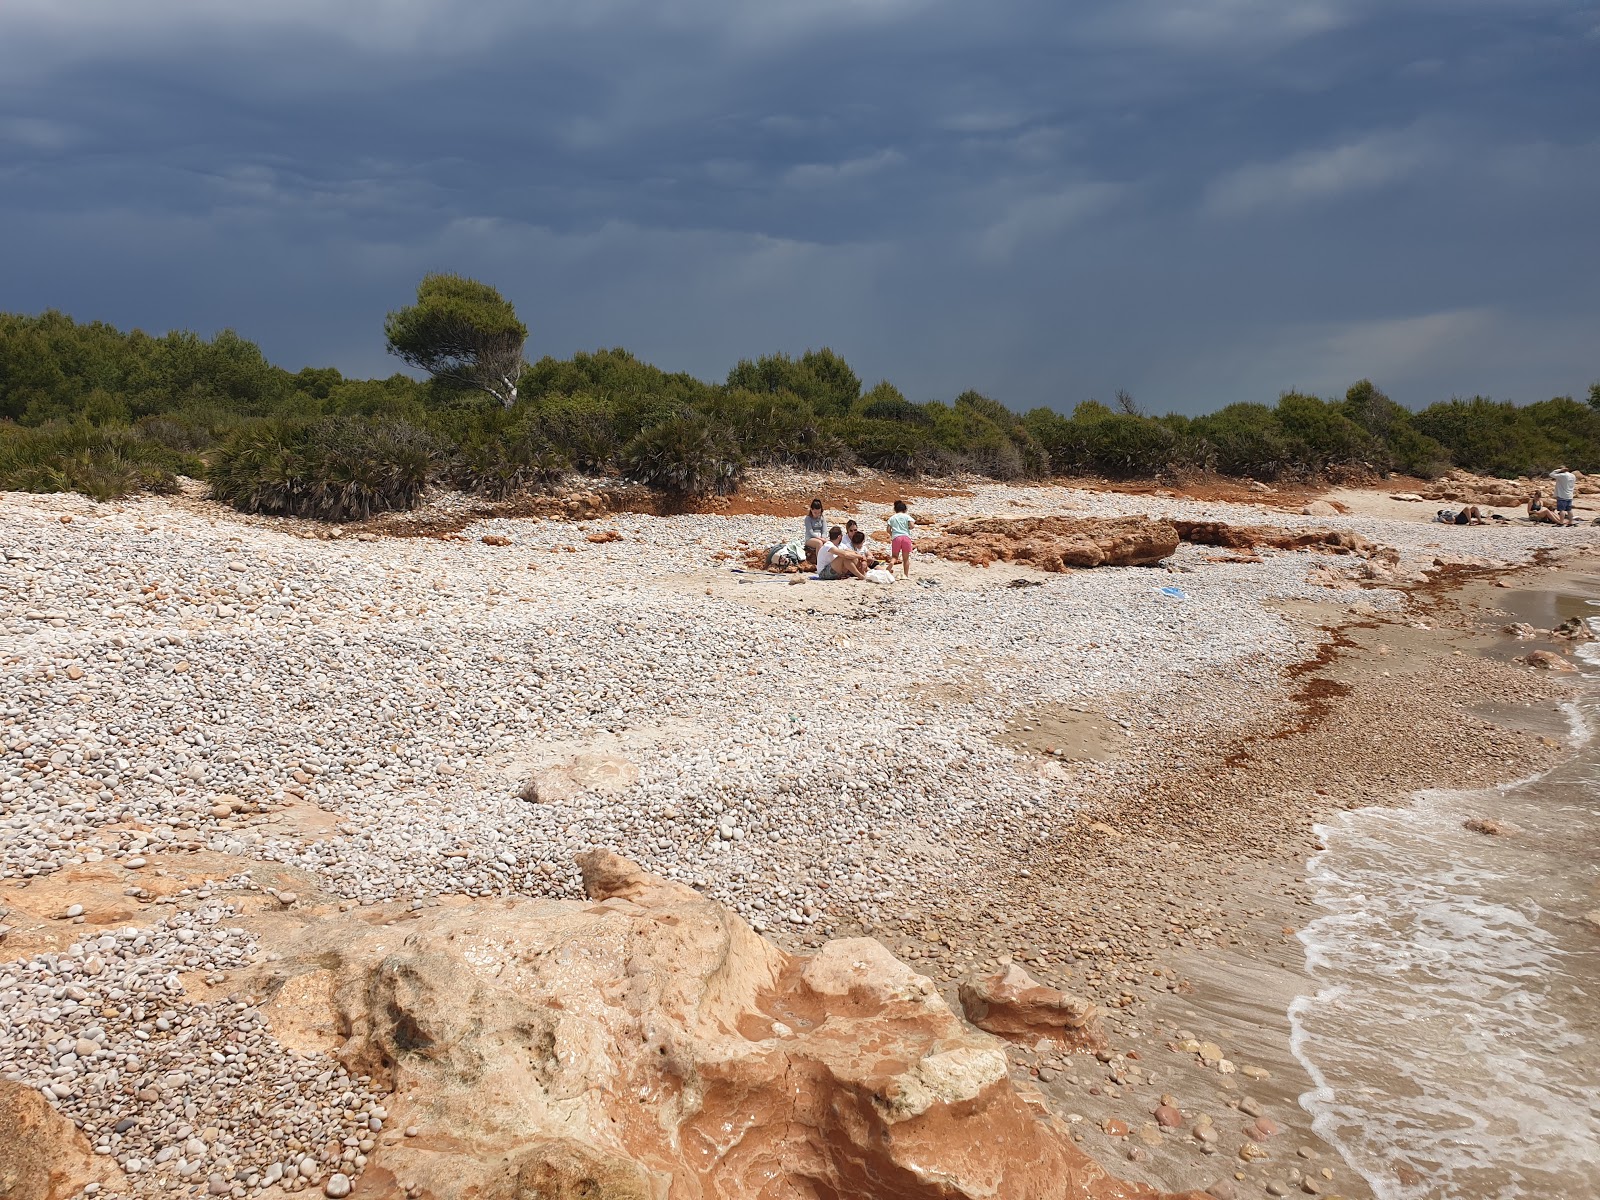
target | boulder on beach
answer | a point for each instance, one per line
(1548, 661)
(1013, 1004)
(647, 1041)
(1059, 543)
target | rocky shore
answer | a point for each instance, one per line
(218, 728)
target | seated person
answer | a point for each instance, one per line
(834, 561)
(858, 543)
(1540, 509)
(816, 531)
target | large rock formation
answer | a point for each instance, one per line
(1252, 537)
(1015, 1005)
(1058, 543)
(43, 1156)
(649, 1044)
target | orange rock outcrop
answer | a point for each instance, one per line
(649, 1045)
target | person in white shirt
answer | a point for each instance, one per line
(836, 561)
(1566, 490)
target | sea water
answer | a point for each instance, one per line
(1454, 1034)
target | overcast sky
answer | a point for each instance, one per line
(1200, 201)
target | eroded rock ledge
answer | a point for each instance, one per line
(1061, 543)
(649, 1044)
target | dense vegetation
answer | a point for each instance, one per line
(90, 408)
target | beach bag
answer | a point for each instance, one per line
(879, 575)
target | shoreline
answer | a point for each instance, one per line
(1236, 994)
(1061, 819)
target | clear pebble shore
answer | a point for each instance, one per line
(462, 717)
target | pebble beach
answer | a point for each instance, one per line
(403, 721)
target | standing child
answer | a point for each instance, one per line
(900, 545)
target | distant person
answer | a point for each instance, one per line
(816, 533)
(1566, 491)
(834, 561)
(1540, 509)
(900, 544)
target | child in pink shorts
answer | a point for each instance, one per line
(900, 545)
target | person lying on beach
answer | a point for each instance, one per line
(786, 554)
(1541, 510)
(1471, 515)
(816, 531)
(836, 562)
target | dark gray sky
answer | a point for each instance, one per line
(1201, 201)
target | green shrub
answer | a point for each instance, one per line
(885, 403)
(100, 462)
(329, 470)
(1246, 439)
(582, 428)
(775, 427)
(905, 449)
(501, 463)
(688, 457)
(819, 377)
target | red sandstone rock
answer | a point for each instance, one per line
(43, 1156)
(647, 1042)
(1058, 543)
(1250, 537)
(1015, 1005)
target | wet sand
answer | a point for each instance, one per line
(1190, 891)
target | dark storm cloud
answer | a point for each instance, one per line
(1200, 201)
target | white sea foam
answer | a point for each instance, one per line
(1452, 1037)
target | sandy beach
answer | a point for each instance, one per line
(1109, 776)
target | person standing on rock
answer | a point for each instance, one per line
(816, 534)
(900, 544)
(1566, 492)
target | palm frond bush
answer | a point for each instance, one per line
(329, 470)
(686, 457)
(103, 463)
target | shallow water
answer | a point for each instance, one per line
(1455, 1032)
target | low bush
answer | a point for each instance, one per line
(898, 446)
(688, 457)
(100, 462)
(501, 466)
(329, 470)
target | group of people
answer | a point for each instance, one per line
(1539, 509)
(840, 551)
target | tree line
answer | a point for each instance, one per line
(91, 408)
